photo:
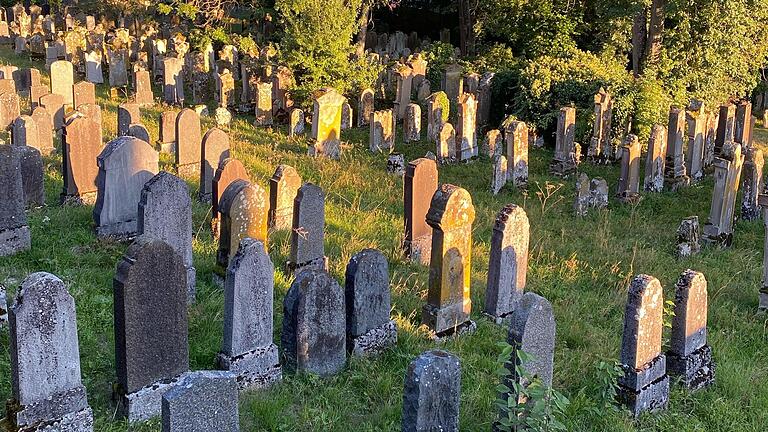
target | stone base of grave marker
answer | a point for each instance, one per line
(763, 304)
(677, 183)
(123, 230)
(696, 370)
(88, 198)
(318, 264)
(65, 412)
(257, 369)
(562, 169)
(714, 237)
(629, 198)
(188, 171)
(455, 332)
(374, 341)
(419, 249)
(15, 240)
(145, 403)
(645, 389)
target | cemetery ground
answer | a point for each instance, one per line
(581, 265)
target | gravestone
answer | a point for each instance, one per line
(452, 84)
(214, 150)
(582, 201)
(567, 151)
(283, 187)
(83, 93)
(508, 262)
(694, 158)
(32, 176)
(346, 116)
(404, 77)
(382, 134)
(601, 145)
(689, 356)
(9, 109)
(202, 401)
(446, 144)
(47, 391)
(438, 110)
(14, 231)
(644, 386)
(173, 80)
(654, 160)
(247, 349)
(710, 138)
(532, 330)
(308, 228)
(313, 337)
(419, 185)
(719, 227)
(225, 89)
(165, 213)
(492, 144)
(229, 170)
(35, 93)
(688, 237)
(628, 190)
(741, 127)
(151, 335)
(24, 132)
(264, 104)
(127, 114)
(326, 124)
(81, 145)
(139, 131)
(466, 127)
(188, 143)
(752, 184)
(676, 175)
(763, 300)
(168, 131)
(725, 128)
(62, 79)
(431, 394)
(516, 141)
(296, 122)
(243, 208)
(396, 164)
(365, 107)
(94, 71)
(448, 307)
(367, 299)
(484, 98)
(125, 165)
(142, 86)
(117, 60)
(54, 104)
(499, 177)
(412, 123)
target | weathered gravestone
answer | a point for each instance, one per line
(326, 124)
(214, 150)
(466, 127)
(125, 165)
(404, 76)
(741, 129)
(516, 140)
(688, 237)
(188, 142)
(675, 175)
(35, 93)
(499, 177)
(582, 200)
(763, 301)
(492, 144)
(92, 111)
(94, 71)
(396, 164)
(14, 231)
(644, 386)
(689, 356)
(283, 187)
(431, 393)
(567, 151)
(142, 86)
(601, 145)
(313, 338)
(296, 122)
(628, 189)
(243, 208)
(725, 128)
(48, 394)
(229, 170)
(719, 227)
(9, 109)
(365, 107)
(438, 110)
(694, 158)
(83, 93)
(151, 335)
(127, 114)
(32, 176)
(308, 229)
(139, 131)
(165, 213)
(173, 81)
(448, 307)
(367, 299)
(62, 79)
(247, 349)
(382, 131)
(446, 144)
(752, 184)
(412, 123)
(419, 185)
(655, 158)
(24, 132)
(44, 125)
(452, 84)
(264, 104)
(54, 104)
(203, 401)
(81, 145)
(508, 264)
(167, 128)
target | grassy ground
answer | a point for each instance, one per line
(581, 265)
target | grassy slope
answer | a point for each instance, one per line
(581, 265)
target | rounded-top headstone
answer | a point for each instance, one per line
(532, 330)
(643, 322)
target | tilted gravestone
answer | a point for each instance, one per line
(508, 263)
(165, 213)
(14, 231)
(188, 142)
(247, 348)
(431, 393)
(151, 342)
(367, 299)
(283, 187)
(645, 384)
(655, 160)
(448, 307)
(81, 145)
(127, 114)
(9, 109)
(419, 185)
(243, 208)
(689, 356)
(532, 330)
(499, 176)
(48, 393)
(313, 337)
(308, 228)
(32, 176)
(719, 227)
(203, 401)
(229, 170)
(214, 150)
(125, 166)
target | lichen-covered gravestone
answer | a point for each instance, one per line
(9, 109)
(45, 359)
(752, 184)
(689, 356)
(32, 176)
(165, 213)
(247, 349)
(581, 202)
(644, 386)
(532, 330)
(499, 176)
(125, 165)
(366, 288)
(466, 127)
(326, 124)
(493, 143)
(243, 209)
(655, 159)
(719, 227)
(214, 150)
(81, 145)
(283, 187)
(412, 123)
(151, 335)
(382, 131)
(420, 184)
(688, 237)
(14, 231)
(203, 401)
(448, 307)
(508, 264)
(308, 228)
(516, 139)
(314, 326)
(431, 393)
(228, 171)
(188, 142)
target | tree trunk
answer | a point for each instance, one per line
(639, 36)
(655, 30)
(467, 26)
(362, 32)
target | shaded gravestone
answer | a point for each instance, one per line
(243, 208)
(151, 335)
(365, 107)
(448, 307)
(419, 185)
(125, 165)
(127, 114)
(173, 80)
(14, 231)
(283, 187)
(213, 151)
(24, 132)
(516, 141)
(247, 349)
(763, 300)
(367, 300)
(725, 128)
(644, 386)
(689, 356)
(688, 237)
(466, 127)
(741, 127)
(655, 159)
(628, 189)
(676, 175)
(431, 394)
(296, 122)
(719, 227)
(142, 87)
(326, 124)
(35, 93)
(83, 93)
(94, 71)
(696, 125)
(752, 183)
(62, 79)
(567, 152)
(404, 78)
(188, 143)
(264, 104)
(168, 131)
(45, 359)
(710, 138)
(493, 143)
(532, 330)
(138, 131)
(412, 123)
(499, 177)
(581, 203)
(202, 401)
(446, 144)
(229, 170)
(313, 337)
(92, 111)
(508, 263)
(452, 84)
(32, 176)
(598, 193)
(484, 97)
(308, 228)
(54, 104)
(165, 213)
(9, 109)
(81, 145)
(438, 110)
(601, 145)
(382, 131)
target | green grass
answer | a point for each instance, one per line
(581, 265)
